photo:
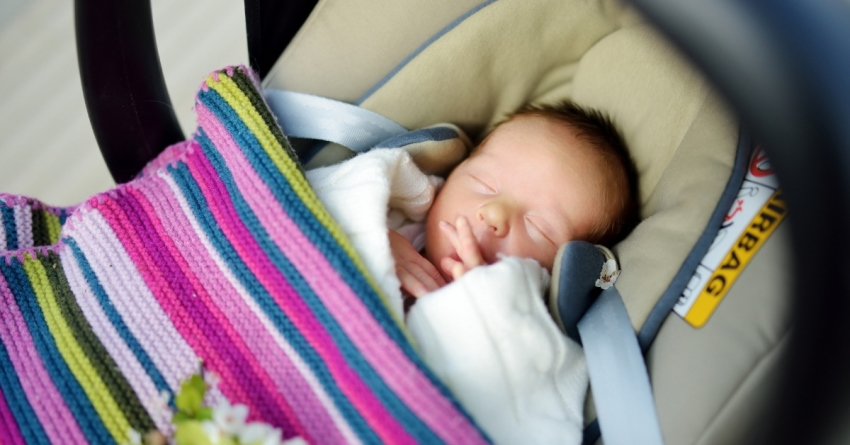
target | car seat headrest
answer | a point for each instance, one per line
(576, 276)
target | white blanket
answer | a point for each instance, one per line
(488, 335)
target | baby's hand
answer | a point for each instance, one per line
(465, 245)
(417, 275)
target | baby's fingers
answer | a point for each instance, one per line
(409, 283)
(452, 267)
(451, 233)
(416, 280)
(467, 247)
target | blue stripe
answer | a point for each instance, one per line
(115, 318)
(17, 401)
(8, 215)
(421, 48)
(67, 385)
(200, 209)
(63, 216)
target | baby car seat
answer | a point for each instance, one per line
(472, 63)
(713, 361)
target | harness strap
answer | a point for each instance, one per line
(313, 117)
(618, 374)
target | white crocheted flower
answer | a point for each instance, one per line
(220, 424)
(608, 275)
(230, 418)
(260, 434)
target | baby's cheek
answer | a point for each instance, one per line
(547, 258)
(493, 252)
(543, 254)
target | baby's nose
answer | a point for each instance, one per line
(494, 218)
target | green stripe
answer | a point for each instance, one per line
(54, 227)
(40, 233)
(93, 349)
(250, 91)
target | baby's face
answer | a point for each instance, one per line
(529, 188)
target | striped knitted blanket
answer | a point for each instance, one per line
(219, 255)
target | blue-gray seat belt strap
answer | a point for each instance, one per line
(313, 117)
(618, 375)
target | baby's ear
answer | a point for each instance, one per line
(436, 150)
(580, 273)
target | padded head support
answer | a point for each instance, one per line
(576, 271)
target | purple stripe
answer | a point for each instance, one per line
(9, 432)
(50, 408)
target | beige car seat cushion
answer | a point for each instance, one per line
(346, 47)
(680, 135)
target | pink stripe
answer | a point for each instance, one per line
(289, 381)
(386, 357)
(269, 277)
(265, 385)
(9, 431)
(165, 297)
(49, 406)
(170, 155)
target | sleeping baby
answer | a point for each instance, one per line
(545, 176)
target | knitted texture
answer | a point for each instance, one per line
(217, 254)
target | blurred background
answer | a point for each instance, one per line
(47, 147)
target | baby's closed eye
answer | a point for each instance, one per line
(484, 185)
(538, 229)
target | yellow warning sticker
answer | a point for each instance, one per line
(752, 218)
(759, 230)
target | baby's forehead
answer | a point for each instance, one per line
(552, 154)
(541, 137)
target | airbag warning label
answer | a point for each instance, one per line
(755, 214)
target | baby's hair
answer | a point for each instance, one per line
(595, 128)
